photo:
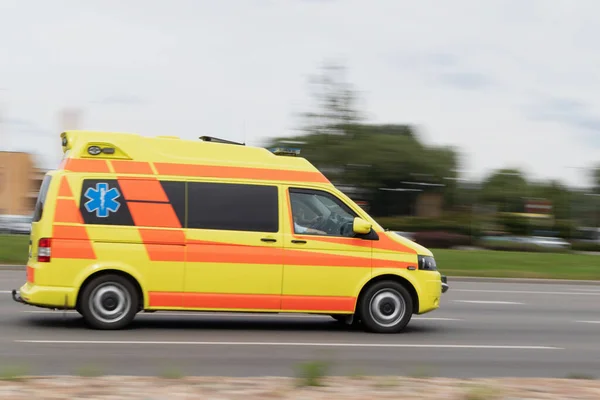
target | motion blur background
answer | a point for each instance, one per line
(460, 124)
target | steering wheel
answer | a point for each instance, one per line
(347, 229)
(319, 223)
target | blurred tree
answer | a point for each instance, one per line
(373, 157)
(560, 196)
(336, 102)
(506, 188)
(596, 177)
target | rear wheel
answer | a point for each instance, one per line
(386, 307)
(109, 302)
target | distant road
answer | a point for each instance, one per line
(482, 329)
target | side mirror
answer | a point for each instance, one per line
(361, 227)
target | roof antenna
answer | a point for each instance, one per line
(244, 131)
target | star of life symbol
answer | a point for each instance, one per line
(102, 200)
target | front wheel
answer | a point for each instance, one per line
(386, 307)
(109, 302)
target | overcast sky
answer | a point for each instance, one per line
(511, 83)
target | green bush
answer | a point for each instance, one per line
(458, 224)
(585, 246)
(441, 240)
(312, 373)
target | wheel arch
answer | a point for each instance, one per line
(136, 284)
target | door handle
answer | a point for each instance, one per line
(268, 240)
(299, 241)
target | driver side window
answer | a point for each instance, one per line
(319, 213)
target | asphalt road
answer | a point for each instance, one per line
(482, 329)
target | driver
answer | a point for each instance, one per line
(303, 229)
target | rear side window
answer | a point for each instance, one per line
(41, 200)
(234, 207)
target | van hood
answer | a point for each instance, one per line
(420, 250)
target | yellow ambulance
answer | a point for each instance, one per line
(130, 224)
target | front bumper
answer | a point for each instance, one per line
(445, 286)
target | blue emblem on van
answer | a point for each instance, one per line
(102, 200)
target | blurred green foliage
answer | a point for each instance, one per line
(389, 162)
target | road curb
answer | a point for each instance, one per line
(476, 279)
(12, 267)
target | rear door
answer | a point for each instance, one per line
(39, 228)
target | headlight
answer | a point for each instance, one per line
(427, 263)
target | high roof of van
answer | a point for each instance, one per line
(170, 155)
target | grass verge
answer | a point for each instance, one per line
(508, 264)
(14, 249)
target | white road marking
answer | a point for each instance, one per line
(436, 319)
(216, 314)
(486, 302)
(293, 344)
(588, 322)
(527, 292)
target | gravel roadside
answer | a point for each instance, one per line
(119, 387)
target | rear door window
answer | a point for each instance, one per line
(41, 200)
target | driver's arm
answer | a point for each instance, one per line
(303, 229)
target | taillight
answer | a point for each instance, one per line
(44, 250)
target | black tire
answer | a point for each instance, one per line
(392, 297)
(120, 292)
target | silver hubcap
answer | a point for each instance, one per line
(387, 307)
(110, 302)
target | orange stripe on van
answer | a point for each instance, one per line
(381, 263)
(64, 189)
(69, 232)
(72, 248)
(215, 171)
(162, 236)
(30, 273)
(385, 243)
(317, 303)
(143, 189)
(243, 254)
(67, 211)
(132, 167)
(232, 301)
(86, 165)
(251, 301)
(310, 258)
(165, 299)
(154, 214)
(165, 252)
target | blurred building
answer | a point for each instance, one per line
(20, 181)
